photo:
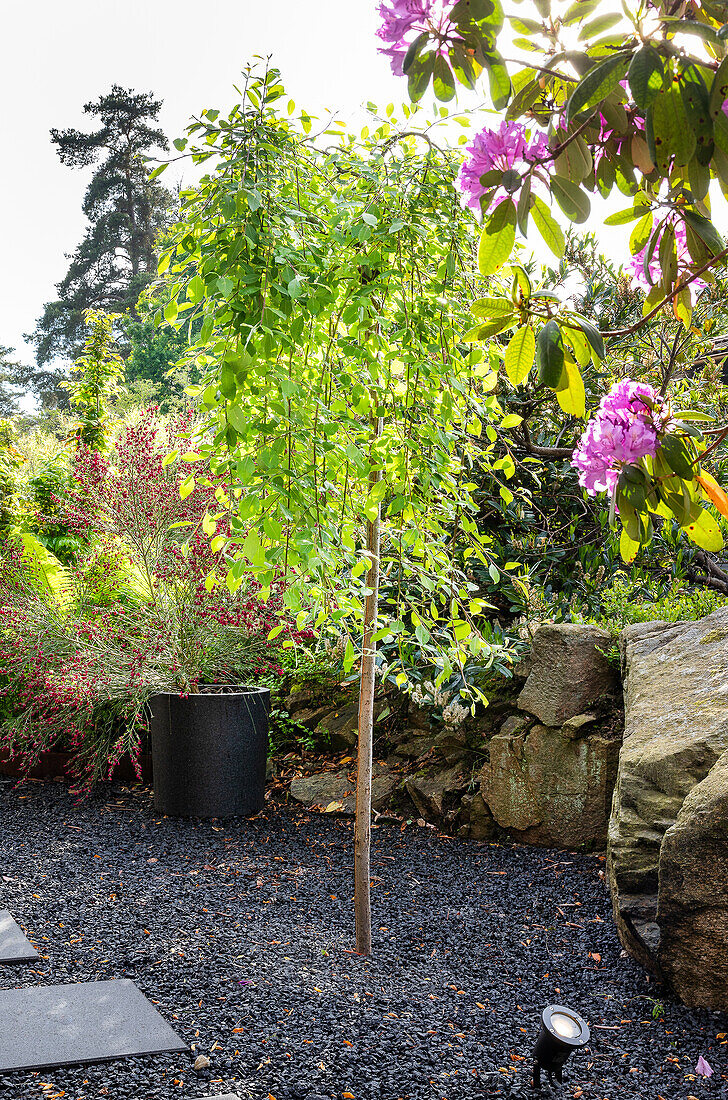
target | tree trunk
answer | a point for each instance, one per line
(363, 822)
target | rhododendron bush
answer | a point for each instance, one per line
(81, 669)
(631, 101)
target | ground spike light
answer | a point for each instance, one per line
(562, 1032)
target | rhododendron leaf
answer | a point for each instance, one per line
(443, 80)
(524, 206)
(596, 85)
(418, 77)
(550, 357)
(646, 76)
(597, 26)
(682, 308)
(679, 455)
(464, 66)
(628, 548)
(623, 217)
(714, 492)
(492, 307)
(497, 238)
(719, 89)
(705, 230)
(705, 532)
(641, 233)
(520, 354)
(696, 102)
(549, 229)
(592, 334)
(414, 50)
(668, 132)
(572, 200)
(499, 81)
(572, 397)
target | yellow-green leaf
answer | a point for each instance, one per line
(572, 398)
(520, 354)
(627, 548)
(705, 532)
(497, 238)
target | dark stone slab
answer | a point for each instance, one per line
(227, 1096)
(64, 1025)
(14, 947)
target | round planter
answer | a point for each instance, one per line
(209, 752)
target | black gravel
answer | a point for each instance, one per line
(241, 933)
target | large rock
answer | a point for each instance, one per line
(693, 897)
(552, 786)
(337, 790)
(568, 672)
(676, 728)
(437, 792)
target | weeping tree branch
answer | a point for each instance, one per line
(543, 452)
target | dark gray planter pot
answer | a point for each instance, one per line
(209, 752)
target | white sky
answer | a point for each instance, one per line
(59, 55)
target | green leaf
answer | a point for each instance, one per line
(646, 75)
(520, 354)
(571, 396)
(549, 229)
(628, 548)
(170, 311)
(705, 230)
(572, 200)
(419, 75)
(492, 307)
(596, 85)
(414, 51)
(624, 217)
(228, 385)
(705, 532)
(668, 132)
(187, 487)
(238, 418)
(599, 25)
(550, 354)
(696, 102)
(443, 80)
(641, 233)
(679, 455)
(499, 81)
(497, 238)
(719, 89)
(592, 334)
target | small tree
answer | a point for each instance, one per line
(343, 409)
(95, 379)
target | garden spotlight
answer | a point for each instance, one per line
(562, 1032)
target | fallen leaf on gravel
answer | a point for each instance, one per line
(348, 1095)
(333, 807)
(201, 1062)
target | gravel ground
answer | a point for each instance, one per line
(241, 933)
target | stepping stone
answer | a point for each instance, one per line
(14, 947)
(65, 1025)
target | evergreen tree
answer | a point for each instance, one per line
(126, 210)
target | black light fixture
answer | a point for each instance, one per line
(562, 1032)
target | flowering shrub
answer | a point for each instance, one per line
(507, 150)
(82, 672)
(403, 21)
(624, 430)
(648, 459)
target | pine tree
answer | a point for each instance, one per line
(126, 210)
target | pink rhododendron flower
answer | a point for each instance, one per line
(404, 20)
(508, 147)
(684, 261)
(624, 430)
(703, 1068)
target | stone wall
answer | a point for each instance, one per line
(538, 765)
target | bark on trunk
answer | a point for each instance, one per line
(363, 822)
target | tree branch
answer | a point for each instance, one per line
(673, 294)
(543, 452)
